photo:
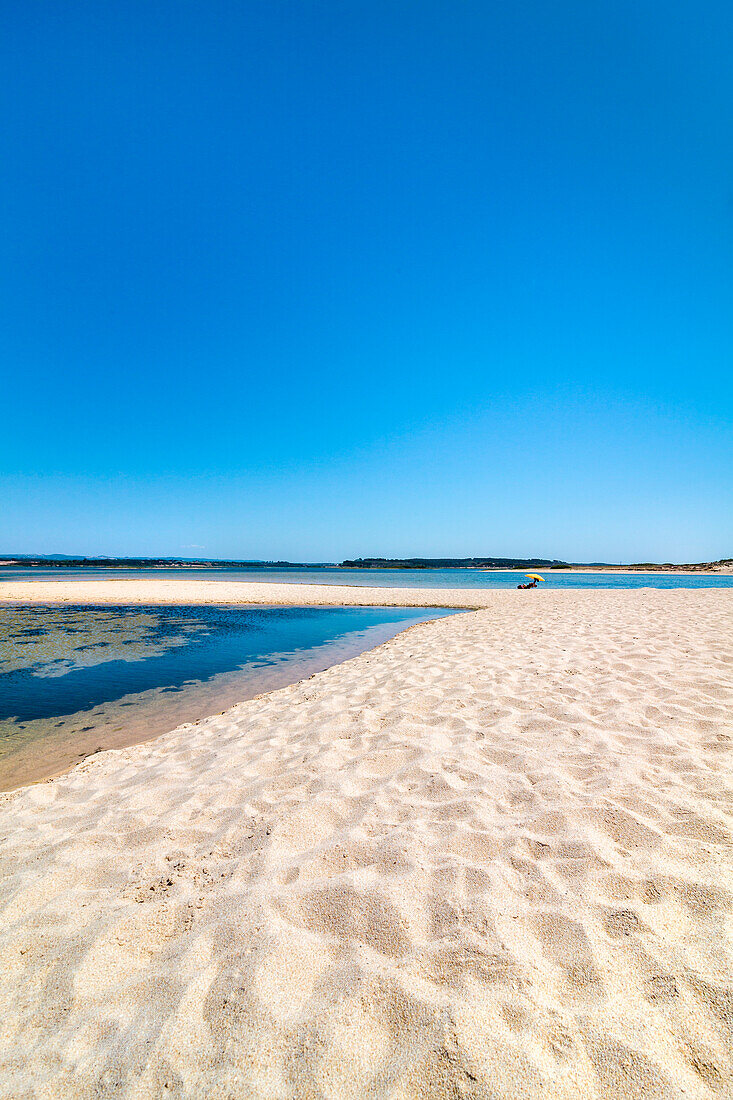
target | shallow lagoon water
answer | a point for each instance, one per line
(383, 578)
(74, 680)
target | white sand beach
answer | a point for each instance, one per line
(492, 858)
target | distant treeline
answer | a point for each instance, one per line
(58, 562)
(723, 565)
(453, 563)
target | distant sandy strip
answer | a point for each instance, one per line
(188, 591)
(492, 858)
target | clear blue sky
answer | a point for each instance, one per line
(313, 280)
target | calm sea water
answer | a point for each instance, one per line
(74, 680)
(392, 578)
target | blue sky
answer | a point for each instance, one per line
(315, 280)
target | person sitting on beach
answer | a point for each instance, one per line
(532, 584)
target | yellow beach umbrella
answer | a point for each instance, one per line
(534, 576)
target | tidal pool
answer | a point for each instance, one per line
(77, 680)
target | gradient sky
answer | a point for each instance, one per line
(311, 280)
